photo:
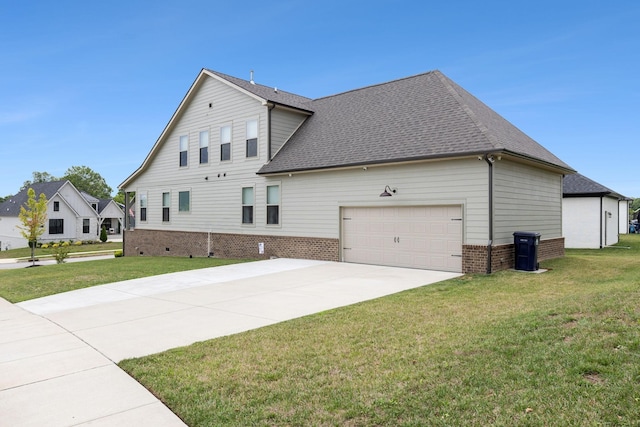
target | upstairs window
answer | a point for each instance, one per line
(166, 204)
(247, 205)
(184, 149)
(273, 204)
(143, 207)
(225, 143)
(56, 206)
(252, 138)
(56, 226)
(184, 198)
(204, 147)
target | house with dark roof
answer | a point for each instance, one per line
(415, 172)
(71, 215)
(593, 215)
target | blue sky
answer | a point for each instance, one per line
(94, 83)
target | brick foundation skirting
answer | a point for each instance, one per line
(197, 244)
(474, 257)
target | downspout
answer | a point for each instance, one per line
(490, 159)
(601, 197)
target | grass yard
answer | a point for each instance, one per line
(513, 348)
(72, 248)
(28, 283)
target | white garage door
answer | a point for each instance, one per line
(428, 237)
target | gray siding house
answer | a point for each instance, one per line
(71, 215)
(415, 172)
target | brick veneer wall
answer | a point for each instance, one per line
(180, 243)
(474, 257)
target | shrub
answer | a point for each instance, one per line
(103, 234)
(64, 244)
(118, 254)
(60, 253)
(78, 243)
(55, 245)
(45, 246)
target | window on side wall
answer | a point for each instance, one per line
(184, 199)
(247, 205)
(86, 224)
(143, 207)
(273, 204)
(184, 150)
(225, 143)
(252, 138)
(204, 147)
(56, 226)
(166, 204)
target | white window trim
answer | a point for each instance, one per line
(180, 150)
(266, 203)
(246, 137)
(200, 147)
(230, 126)
(189, 210)
(242, 205)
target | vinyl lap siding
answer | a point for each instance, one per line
(311, 201)
(283, 124)
(215, 186)
(526, 199)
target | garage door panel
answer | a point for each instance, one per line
(427, 237)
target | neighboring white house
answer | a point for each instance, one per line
(415, 172)
(71, 215)
(592, 215)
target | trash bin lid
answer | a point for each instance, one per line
(526, 234)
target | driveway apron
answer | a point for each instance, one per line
(58, 353)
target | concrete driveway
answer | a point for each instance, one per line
(57, 353)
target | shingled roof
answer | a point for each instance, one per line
(577, 185)
(270, 94)
(421, 117)
(11, 206)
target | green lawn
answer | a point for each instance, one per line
(34, 282)
(26, 252)
(513, 348)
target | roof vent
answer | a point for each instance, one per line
(251, 81)
(275, 89)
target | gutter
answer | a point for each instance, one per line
(490, 160)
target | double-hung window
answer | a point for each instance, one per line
(273, 204)
(225, 143)
(184, 150)
(143, 207)
(184, 198)
(56, 226)
(252, 138)
(86, 223)
(56, 206)
(204, 147)
(247, 205)
(166, 205)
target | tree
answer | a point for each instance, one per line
(37, 177)
(119, 198)
(33, 218)
(89, 181)
(103, 234)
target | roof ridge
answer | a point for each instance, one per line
(231, 79)
(377, 84)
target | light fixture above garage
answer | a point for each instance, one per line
(388, 191)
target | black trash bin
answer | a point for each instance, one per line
(526, 250)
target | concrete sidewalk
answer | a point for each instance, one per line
(66, 376)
